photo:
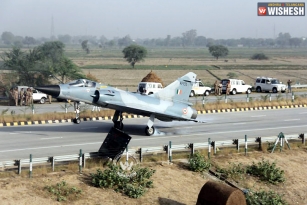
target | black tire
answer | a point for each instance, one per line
(76, 120)
(258, 89)
(206, 93)
(150, 93)
(248, 91)
(192, 94)
(42, 100)
(150, 131)
(234, 91)
(274, 90)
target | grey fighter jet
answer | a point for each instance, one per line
(170, 103)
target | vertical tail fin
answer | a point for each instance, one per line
(179, 90)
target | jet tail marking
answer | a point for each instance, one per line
(179, 90)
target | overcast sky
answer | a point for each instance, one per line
(144, 18)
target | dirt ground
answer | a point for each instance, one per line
(173, 184)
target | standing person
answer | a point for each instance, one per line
(228, 88)
(289, 86)
(29, 97)
(21, 96)
(216, 87)
(220, 88)
(50, 98)
(15, 95)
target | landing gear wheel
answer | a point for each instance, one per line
(150, 130)
(76, 121)
(119, 125)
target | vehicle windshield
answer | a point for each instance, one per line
(83, 83)
(275, 81)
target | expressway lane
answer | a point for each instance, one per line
(67, 138)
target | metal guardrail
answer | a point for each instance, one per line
(147, 150)
(298, 86)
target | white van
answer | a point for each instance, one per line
(148, 88)
(237, 86)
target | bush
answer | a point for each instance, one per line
(63, 192)
(263, 197)
(259, 56)
(133, 183)
(197, 163)
(234, 171)
(266, 171)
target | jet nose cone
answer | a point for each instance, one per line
(53, 90)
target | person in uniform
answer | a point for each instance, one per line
(220, 88)
(216, 87)
(289, 86)
(15, 96)
(50, 98)
(29, 97)
(228, 88)
(21, 96)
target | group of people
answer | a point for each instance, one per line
(24, 96)
(218, 88)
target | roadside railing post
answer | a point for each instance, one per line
(214, 146)
(83, 160)
(52, 163)
(225, 97)
(192, 149)
(245, 150)
(209, 147)
(292, 96)
(270, 97)
(170, 151)
(19, 166)
(247, 97)
(141, 155)
(203, 101)
(30, 168)
(80, 161)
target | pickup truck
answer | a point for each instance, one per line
(37, 95)
(200, 89)
(148, 88)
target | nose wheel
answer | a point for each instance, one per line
(149, 130)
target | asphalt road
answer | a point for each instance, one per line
(67, 138)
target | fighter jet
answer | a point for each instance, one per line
(170, 103)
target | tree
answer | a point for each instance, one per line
(69, 70)
(52, 53)
(7, 38)
(65, 38)
(218, 51)
(85, 46)
(125, 41)
(188, 37)
(134, 54)
(29, 41)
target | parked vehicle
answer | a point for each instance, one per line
(37, 95)
(148, 88)
(269, 84)
(237, 86)
(200, 89)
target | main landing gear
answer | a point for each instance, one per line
(77, 111)
(118, 122)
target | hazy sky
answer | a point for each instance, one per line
(144, 18)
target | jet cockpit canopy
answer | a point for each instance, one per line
(82, 83)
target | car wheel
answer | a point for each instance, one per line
(192, 94)
(258, 89)
(150, 131)
(248, 91)
(206, 93)
(234, 91)
(42, 100)
(274, 90)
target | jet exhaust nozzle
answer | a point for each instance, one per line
(53, 90)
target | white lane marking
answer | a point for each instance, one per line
(51, 138)
(58, 146)
(88, 128)
(250, 130)
(258, 116)
(239, 123)
(302, 113)
(292, 119)
(14, 133)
